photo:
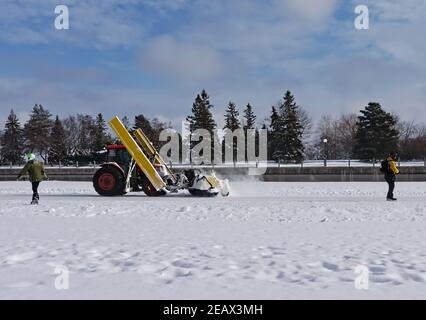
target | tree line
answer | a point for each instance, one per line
(292, 135)
(75, 138)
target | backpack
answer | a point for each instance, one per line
(384, 166)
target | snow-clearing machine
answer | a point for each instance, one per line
(136, 166)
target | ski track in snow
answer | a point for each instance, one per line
(266, 241)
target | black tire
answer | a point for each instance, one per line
(109, 182)
(149, 189)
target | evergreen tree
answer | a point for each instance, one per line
(287, 131)
(249, 124)
(376, 134)
(293, 129)
(202, 118)
(100, 136)
(143, 123)
(152, 129)
(58, 149)
(12, 147)
(37, 131)
(232, 121)
(273, 138)
(249, 118)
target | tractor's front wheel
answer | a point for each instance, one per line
(109, 182)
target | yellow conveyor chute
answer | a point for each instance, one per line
(137, 154)
(152, 152)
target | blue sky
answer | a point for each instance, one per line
(127, 57)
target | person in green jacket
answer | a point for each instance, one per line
(36, 173)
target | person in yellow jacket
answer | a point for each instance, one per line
(36, 173)
(390, 174)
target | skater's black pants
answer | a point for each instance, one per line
(390, 179)
(35, 190)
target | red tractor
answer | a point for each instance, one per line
(119, 175)
(137, 166)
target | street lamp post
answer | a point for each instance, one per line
(325, 151)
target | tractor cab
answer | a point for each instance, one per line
(118, 154)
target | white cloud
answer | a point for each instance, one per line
(396, 10)
(167, 5)
(317, 10)
(186, 61)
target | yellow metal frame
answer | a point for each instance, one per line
(137, 154)
(152, 152)
(146, 144)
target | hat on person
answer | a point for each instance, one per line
(30, 156)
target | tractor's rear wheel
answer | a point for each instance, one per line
(109, 182)
(149, 189)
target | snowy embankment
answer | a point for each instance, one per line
(266, 241)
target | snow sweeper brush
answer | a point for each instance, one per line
(136, 166)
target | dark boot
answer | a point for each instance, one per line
(36, 196)
(390, 179)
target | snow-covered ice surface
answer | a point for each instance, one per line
(266, 241)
